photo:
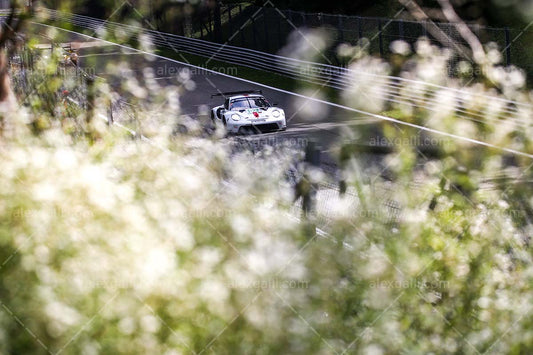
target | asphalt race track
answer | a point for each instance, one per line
(306, 118)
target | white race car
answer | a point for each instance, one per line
(248, 112)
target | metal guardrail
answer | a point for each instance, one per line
(230, 54)
(392, 89)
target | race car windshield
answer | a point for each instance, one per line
(258, 102)
(246, 103)
(239, 104)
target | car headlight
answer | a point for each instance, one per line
(235, 117)
(276, 113)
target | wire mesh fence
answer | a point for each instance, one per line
(267, 29)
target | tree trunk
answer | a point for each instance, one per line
(7, 98)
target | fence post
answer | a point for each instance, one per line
(305, 188)
(280, 37)
(91, 98)
(241, 30)
(265, 25)
(217, 23)
(209, 21)
(340, 26)
(254, 37)
(380, 29)
(360, 27)
(183, 27)
(230, 20)
(400, 28)
(508, 45)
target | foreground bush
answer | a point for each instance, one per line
(115, 245)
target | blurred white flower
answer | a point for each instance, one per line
(127, 325)
(369, 85)
(149, 323)
(306, 44)
(400, 47)
(309, 109)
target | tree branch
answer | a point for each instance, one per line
(464, 31)
(420, 15)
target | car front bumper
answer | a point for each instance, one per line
(245, 126)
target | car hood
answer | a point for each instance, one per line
(250, 111)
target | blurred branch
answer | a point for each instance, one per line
(13, 24)
(420, 15)
(464, 31)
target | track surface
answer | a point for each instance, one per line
(325, 127)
